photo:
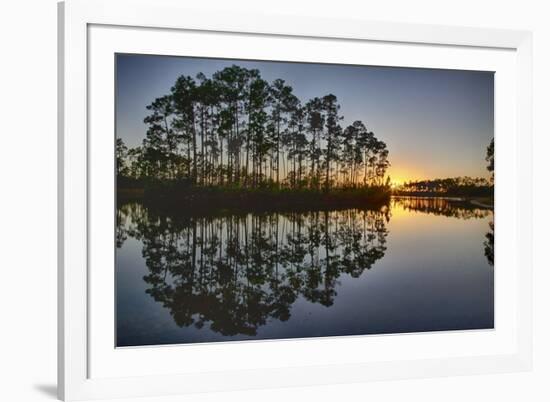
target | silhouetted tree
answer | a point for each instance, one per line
(121, 153)
(490, 158)
(489, 244)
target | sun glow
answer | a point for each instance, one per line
(395, 184)
(400, 175)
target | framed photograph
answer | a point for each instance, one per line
(251, 201)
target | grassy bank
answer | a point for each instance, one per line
(200, 199)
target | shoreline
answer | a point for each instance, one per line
(214, 200)
(242, 200)
(480, 202)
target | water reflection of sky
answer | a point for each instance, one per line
(433, 276)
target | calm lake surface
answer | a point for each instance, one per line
(416, 265)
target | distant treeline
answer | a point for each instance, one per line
(235, 129)
(456, 186)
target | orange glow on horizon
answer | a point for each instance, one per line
(399, 175)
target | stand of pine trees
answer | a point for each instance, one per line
(235, 129)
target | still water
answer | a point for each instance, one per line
(415, 265)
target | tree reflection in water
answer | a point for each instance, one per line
(441, 206)
(235, 272)
(455, 208)
(490, 244)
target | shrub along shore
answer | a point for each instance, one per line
(196, 199)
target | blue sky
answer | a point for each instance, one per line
(436, 123)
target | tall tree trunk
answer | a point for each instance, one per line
(203, 129)
(329, 150)
(194, 133)
(237, 150)
(247, 151)
(278, 140)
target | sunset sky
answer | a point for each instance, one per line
(436, 123)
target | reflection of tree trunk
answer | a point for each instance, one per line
(221, 162)
(327, 255)
(202, 253)
(210, 253)
(194, 252)
(220, 232)
(194, 242)
(237, 235)
(245, 220)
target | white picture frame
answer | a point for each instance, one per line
(88, 368)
